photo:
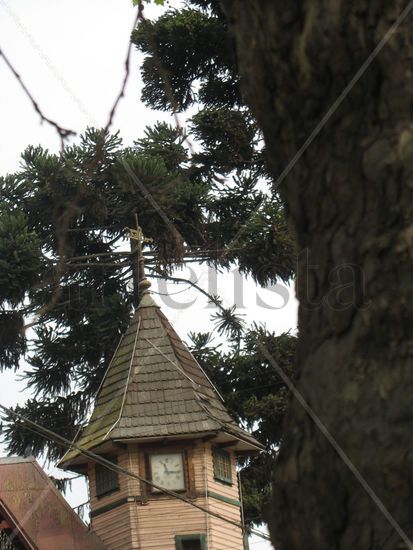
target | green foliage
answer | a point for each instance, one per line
(59, 414)
(20, 256)
(57, 255)
(268, 244)
(190, 45)
(12, 338)
(227, 137)
(57, 246)
(189, 59)
(165, 142)
(58, 251)
(157, 2)
(228, 322)
(256, 395)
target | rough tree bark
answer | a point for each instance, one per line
(349, 201)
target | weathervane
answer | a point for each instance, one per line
(137, 239)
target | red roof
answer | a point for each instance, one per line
(35, 513)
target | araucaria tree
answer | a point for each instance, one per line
(68, 271)
(349, 197)
(190, 62)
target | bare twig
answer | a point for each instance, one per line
(63, 133)
(126, 75)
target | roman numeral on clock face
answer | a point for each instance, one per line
(168, 470)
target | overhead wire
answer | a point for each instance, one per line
(35, 427)
(53, 436)
(198, 394)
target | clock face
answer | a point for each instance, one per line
(167, 470)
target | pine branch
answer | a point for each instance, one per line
(96, 264)
(90, 256)
(161, 275)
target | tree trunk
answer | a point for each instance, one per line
(350, 202)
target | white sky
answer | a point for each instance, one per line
(71, 57)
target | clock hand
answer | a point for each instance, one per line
(165, 467)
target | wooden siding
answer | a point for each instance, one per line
(124, 483)
(115, 527)
(134, 467)
(223, 535)
(153, 522)
(161, 518)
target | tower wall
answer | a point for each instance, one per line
(223, 535)
(115, 528)
(160, 521)
(161, 518)
(112, 516)
(132, 518)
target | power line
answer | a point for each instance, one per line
(49, 434)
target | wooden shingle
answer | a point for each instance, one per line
(154, 387)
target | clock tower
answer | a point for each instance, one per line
(158, 416)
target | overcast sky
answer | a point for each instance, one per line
(71, 57)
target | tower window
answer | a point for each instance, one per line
(107, 480)
(190, 542)
(222, 465)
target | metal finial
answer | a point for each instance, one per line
(144, 285)
(141, 283)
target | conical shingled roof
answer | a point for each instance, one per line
(154, 388)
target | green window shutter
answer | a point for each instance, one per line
(107, 481)
(222, 466)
